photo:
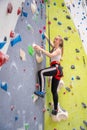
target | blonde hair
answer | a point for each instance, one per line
(61, 43)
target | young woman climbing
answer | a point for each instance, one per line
(54, 70)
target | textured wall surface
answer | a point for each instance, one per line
(17, 109)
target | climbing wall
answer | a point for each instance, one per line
(18, 76)
(72, 97)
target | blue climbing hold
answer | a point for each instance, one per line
(15, 40)
(4, 86)
(25, 14)
(2, 44)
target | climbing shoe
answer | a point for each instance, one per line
(54, 112)
(40, 93)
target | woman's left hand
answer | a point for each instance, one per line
(37, 47)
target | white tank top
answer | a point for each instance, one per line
(56, 58)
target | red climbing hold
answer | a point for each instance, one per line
(3, 58)
(19, 11)
(9, 8)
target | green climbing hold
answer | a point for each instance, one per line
(30, 50)
(26, 125)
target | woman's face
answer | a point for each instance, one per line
(56, 41)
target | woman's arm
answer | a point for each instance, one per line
(51, 43)
(54, 53)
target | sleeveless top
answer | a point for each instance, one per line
(56, 58)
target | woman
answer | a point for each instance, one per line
(55, 69)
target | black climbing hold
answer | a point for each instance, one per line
(73, 5)
(55, 18)
(66, 38)
(5, 38)
(69, 28)
(54, 3)
(77, 77)
(77, 50)
(72, 67)
(68, 89)
(48, 5)
(73, 129)
(68, 17)
(81, 128)
(63, 4)
(83, 59)
(85, 122)
(84, 105)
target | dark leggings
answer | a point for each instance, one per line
(50, 71)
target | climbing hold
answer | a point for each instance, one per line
(84, 105)
(37, 85)
(26, 125)
(44, 27)
(63, 4)
(68, 17)
(59, 23)
(19, 11)
(68, 89)
(54, 3)
(12, 34)
(55, 18)
(29, 27)
(33, 7)
(22, 55)
(78, 77)
(49, 22)
(12, 107)
(35, 118)
(2, 44)
(83, 59)
(4, 86)
(15, 40)
(43, 36)
(34, 97)
(27, 3)
(16, 118)
(81, 128)
(85, 122)
(69, 28)
(72, 78)
(72, 67)
(39, 57)
(25, 14)
(9, 7)
(44, 110)
(30, 50)
(66, 38)
(40, 31)
(77, 50)
(3, 58)
(5, 38)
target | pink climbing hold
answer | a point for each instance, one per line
(40, 31)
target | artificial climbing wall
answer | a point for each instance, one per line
(72, 97)
(18, 76)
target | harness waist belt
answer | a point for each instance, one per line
(54, 62)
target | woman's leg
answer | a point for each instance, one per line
(55, 83)
(50, 71)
